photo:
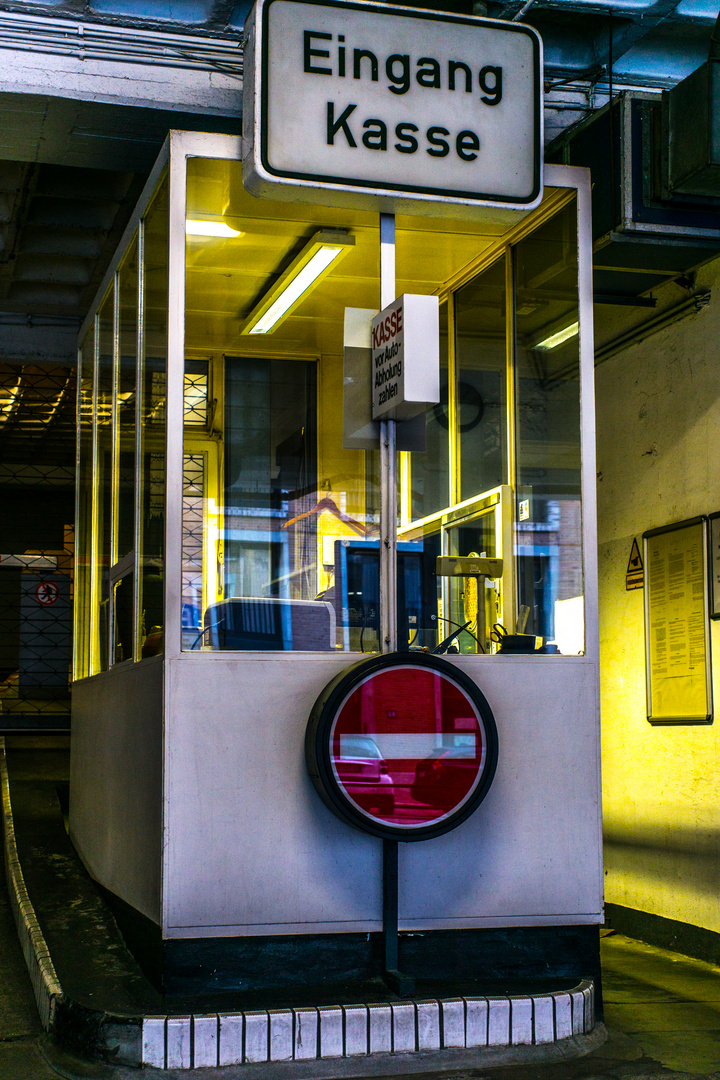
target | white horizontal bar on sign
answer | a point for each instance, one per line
(404, 745)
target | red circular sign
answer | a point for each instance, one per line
(47, 593)
(403, 746)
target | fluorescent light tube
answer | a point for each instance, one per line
(557, 339)
(320, 262)
(194, 227)
(314, 261)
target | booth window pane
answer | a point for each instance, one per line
(195, 393)
(280, 535)
(548, 528)
(126, 402)
(152, 437)
(193, 547)
(83, 525)
(272, 534)
(429, 474)
(123, 608)
(480, 319)
(104, 417)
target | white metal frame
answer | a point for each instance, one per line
(177, 149)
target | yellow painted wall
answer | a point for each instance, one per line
(658, 436)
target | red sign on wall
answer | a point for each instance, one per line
(402, 746)
(47, 593)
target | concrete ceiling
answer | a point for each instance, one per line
(73, 159)
(70, 175)
(71, 169)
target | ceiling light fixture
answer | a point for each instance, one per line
(195, 227)
(316, 259)
(554, 340)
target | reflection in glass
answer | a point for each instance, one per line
(195, 393)
(430, 484)
(104, 473)
(472, 601)
(273, 512)
(126, 403)
(83, 550)
(123, 608)
(548, 528)
(152, 453)
(481, 364)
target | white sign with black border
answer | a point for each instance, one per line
(352, 102)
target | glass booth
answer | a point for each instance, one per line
(275, 522)
(228, 555)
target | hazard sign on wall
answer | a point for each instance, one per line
(635, 574)
(403, 746)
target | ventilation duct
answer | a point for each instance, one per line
(691, 117)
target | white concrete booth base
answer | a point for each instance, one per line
(295, 895)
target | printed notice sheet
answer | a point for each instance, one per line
(676, 624)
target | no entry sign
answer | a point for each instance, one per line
(402, 746)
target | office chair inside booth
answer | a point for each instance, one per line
(270, 623)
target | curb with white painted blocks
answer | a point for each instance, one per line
(178, 1042)
(281, 1035)
(356, 1030)
(521, 1025)
(205, 1040)
(337, 1031)
(563, 1016)
(306, 1034)
(380, 1029)
(256, 1036)
(403, 1027)
(230, 1049)
(331, 1032)
(543, 1020)
(428, 1025)
(453, 1023)
(476, 1024)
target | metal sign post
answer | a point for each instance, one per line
(401, 984)
(388, 464)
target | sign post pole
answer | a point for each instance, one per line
(401, 984)
(388, 464)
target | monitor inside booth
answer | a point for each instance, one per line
(356, 594)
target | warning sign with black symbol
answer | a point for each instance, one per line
(635, 576)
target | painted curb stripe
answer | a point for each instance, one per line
(45, 983)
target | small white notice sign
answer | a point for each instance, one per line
(405, 357)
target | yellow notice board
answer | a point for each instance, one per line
(677, 642)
